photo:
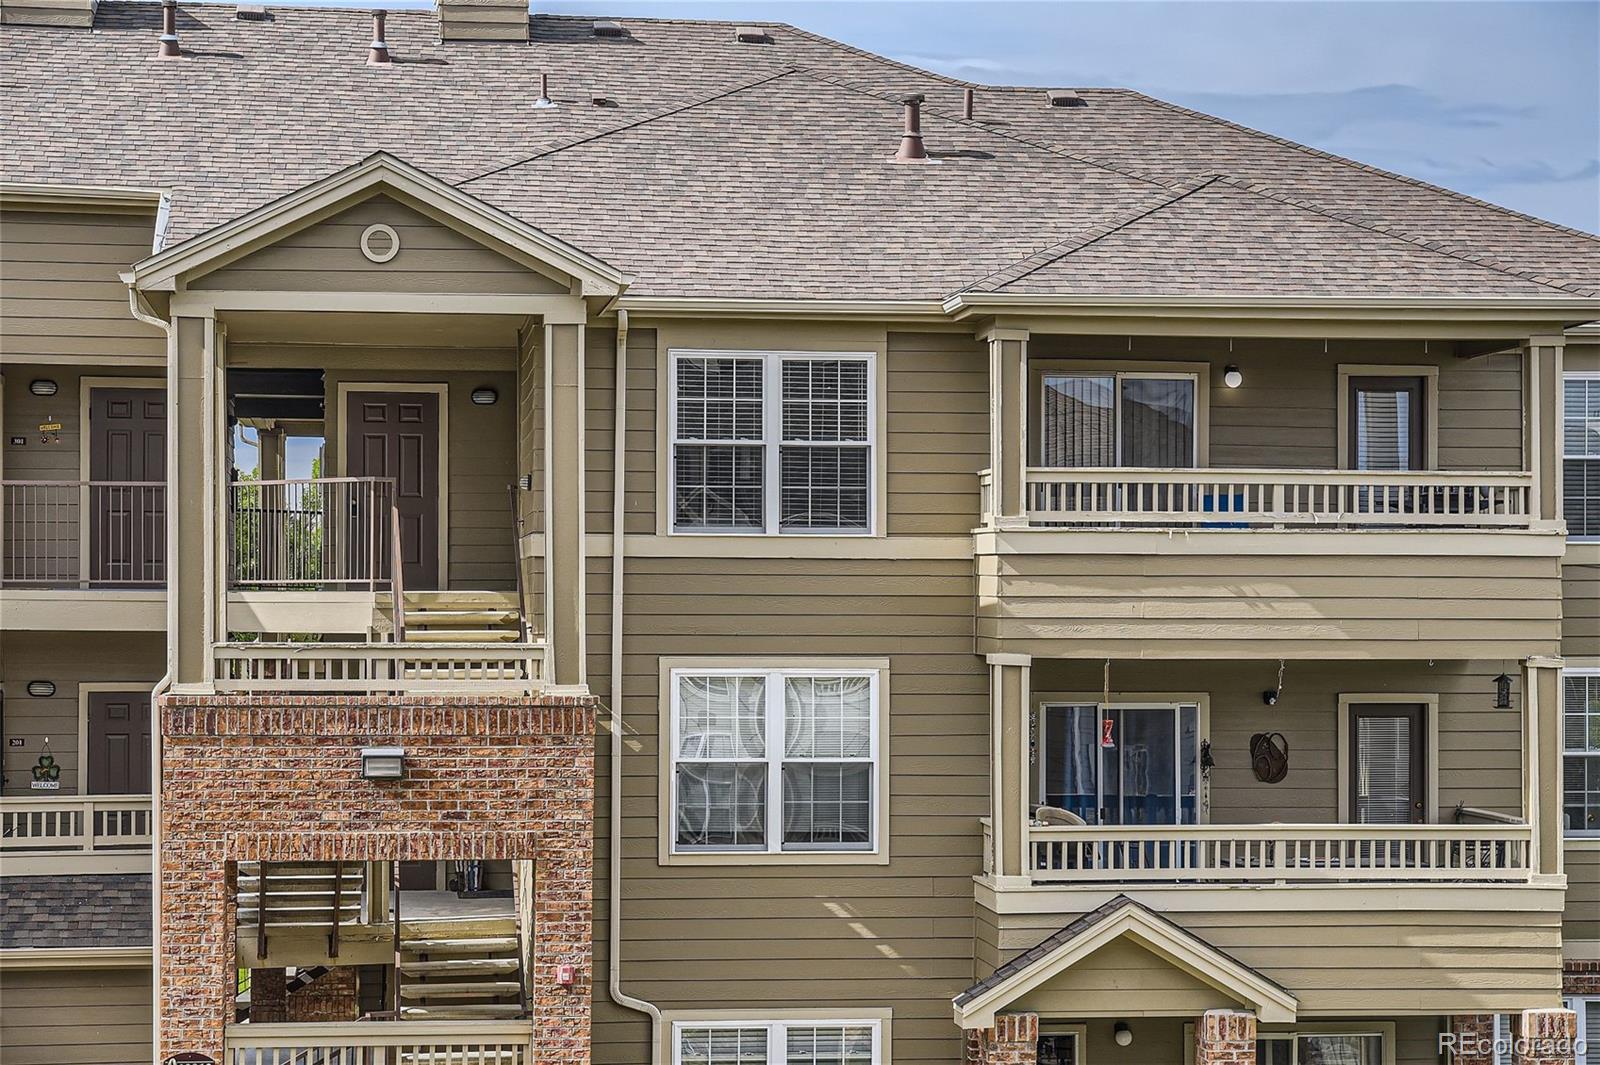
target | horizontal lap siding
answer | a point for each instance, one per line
(69, 659)
(852, 936)
(62, 292)
(75, 1016)
(1285, 414)
(1129, 605)
(1582, 920)
(327, 257)
(937, 432)
(1479, 760)
(1580, 600)
(1369, 960)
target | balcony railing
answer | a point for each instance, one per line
(379, 667)
(74, 823)
(1213, 498)
(315, 533)
(464, 1042)
(1216, 854)
(71, 534)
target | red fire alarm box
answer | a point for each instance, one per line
(566, 974)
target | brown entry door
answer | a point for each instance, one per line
(396, 435)
(119, 743)
(127, 524)
(1388, 767)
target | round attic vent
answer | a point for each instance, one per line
(380, 243)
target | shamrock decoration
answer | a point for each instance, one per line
(47, 768)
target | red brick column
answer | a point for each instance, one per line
(1014, 1040)
(269, 1002)
(1547, 1037)
(330, 997)
(1225, 1037)
(278, 778)
(1472, 1039)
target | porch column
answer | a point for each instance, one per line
(1473, 1039)
(1225, 1037)
(196, 477)
(1541, 686)
(1008, 424)
(1541, 436)
(563, 501)
(1014, 1040)
(1547, 1037)
(1010, 696)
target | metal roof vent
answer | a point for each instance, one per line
(604, 27)
(752, 35)
(169, 30)
(911, 149)
(252, 13)
(378, 53)
(600, 98)
(1065, 98)
(544, 103)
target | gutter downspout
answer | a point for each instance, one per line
(614, 858)
(136, 308)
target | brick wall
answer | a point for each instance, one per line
(1581, 978)
(279, 779)
(1473, 1035)
(330, 997)
(1547, 1037)
(1014, 1040)
(1225, 1037)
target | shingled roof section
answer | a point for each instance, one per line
(715, 166)
(100, 910)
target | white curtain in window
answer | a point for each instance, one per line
(1383, 430)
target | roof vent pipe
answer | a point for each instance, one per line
(911, 150)
(379, 56)
(169, 29)
(544, 100)
(966, 103)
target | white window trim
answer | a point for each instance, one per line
(772, 439)
(1080, 1037)
(1116, 405)
(875, 670)
(1561, 436)
(777, 1031)
(1573, 671)
(1590, 1041)
(1202, 725)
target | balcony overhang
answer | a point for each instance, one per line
(577, 272)
(1028, 977)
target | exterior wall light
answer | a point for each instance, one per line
(1232, 377)
(41, 689)
(1502, 692)
(1122, 1034)
(383, 763)
(484, 397)
(43, 386)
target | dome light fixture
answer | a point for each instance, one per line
(485, 397)
(1123, 1034)
(41, 689)
(1231, 376)
(42, 386)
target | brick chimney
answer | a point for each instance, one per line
(78, 13)
(483, 20)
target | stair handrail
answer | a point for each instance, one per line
(523, 626)
(397, 590)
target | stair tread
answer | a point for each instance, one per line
(465, 966)
(473, 944)
(462, 636)
(459, 617)
(461, 1012)
(457, 989)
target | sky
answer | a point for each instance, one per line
(1500, 100)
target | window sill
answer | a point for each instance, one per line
(751, 858)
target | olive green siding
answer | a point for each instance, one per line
(23, 413)
(937, 432)
(1582, 923)
(327, 257)
(62, 293)
(75, 1016)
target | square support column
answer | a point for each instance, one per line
(1009, 765)
(1547, 1037)
(1225, 1037)
(1541, 437)
(564, 563)
(1473, 1039)
(1541, 685)
(1008, 425)
(197, 476)
(1014, 1040)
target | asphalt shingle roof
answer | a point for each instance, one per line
(742, 169)
(90, 910)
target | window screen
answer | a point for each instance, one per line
(1581, 455)
(722, 761)
(722, 1046)
(1580, 747)
(719, 457)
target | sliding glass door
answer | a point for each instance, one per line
(1143, 420)
(1121, 765)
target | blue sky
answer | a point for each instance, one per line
(1498, 100)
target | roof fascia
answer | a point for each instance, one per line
(23, 194)
(75, 958)
(1173, 945)
(964, 305)
(159, 272)
(797, 309)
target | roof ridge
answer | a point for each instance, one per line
(1357, 165)
(1060, 249)
(1436, 246)
(885, 60)
(666, 112)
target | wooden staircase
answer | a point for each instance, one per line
(453, 617)
(320, 896)
(461, 969)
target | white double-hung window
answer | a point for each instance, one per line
(769, 761)
(1580, 751)
(1580, 449)
(772, 442)
(777, 1043)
